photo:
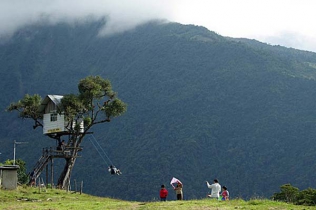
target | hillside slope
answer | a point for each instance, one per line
(200, 106)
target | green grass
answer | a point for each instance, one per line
(53, 199)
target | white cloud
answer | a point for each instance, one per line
(255, 18)
(284, 22)
(122, 15)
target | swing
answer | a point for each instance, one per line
(112, 169)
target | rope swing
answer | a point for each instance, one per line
(111, 168)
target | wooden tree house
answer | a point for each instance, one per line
(56, 127)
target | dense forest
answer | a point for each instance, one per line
(200, 106)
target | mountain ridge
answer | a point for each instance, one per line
(200, 106)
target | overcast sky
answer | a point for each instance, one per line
(288, 23)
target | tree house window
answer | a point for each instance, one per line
(53, 117)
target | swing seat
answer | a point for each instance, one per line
(115, 171)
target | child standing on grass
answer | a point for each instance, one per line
(163, 193)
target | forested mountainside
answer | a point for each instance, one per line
(200, 106)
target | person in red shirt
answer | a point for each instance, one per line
(225, 194)
(163, 193)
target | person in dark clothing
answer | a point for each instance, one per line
(61, 145)
(113, 170)
(32, 178)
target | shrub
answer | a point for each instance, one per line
(288, 194)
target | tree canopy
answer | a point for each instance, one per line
(96, 103)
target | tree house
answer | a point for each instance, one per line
(53, 116)
(56, 126)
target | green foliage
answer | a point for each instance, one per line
(288, 194)
(27, 107)
(94, 88)
(84, 105)
(87, 103)
(292, 194)
(115, 108)
(23, 178)
(72, 106)
(306, 197)
(87, 121)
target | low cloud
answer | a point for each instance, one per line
(120, 15)
(267, 21)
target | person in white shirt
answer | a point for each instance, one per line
(216, 189)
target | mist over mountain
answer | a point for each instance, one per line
(200, 106)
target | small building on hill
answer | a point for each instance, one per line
(53, 117)
(9, 176)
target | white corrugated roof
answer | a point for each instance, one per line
(56, 99)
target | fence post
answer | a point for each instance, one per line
(75, 185)
(81, 187)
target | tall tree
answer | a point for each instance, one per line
(95, 103)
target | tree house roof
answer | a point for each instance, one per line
(56, 99)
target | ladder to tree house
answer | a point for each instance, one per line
(50, 153)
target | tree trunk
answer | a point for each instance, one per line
(64, 178)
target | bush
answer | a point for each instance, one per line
(288, 194)
(292, 194)
(306, 197)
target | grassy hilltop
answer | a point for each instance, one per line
(33, 198)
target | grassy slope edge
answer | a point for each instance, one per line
(32, 198)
